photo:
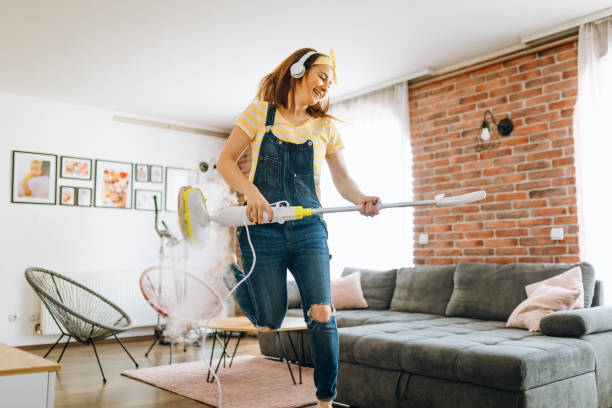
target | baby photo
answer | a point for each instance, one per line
(34, 177)
(113, 184)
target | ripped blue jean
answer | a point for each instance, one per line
(301, 247)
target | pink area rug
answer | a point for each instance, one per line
(252, 381)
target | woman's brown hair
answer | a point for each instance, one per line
(278, 87)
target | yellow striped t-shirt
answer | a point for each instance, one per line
(322, 132)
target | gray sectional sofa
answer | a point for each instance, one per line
(435, 336)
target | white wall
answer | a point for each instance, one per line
(76, 240)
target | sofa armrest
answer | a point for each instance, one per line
(577, 323)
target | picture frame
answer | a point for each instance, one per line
(175, 179)
(84, 197)
(113, 184)
(68, 195)
(34, 178)
(144, 199)
(142, 172)
(156, 173)
(77, 168)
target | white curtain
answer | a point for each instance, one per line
(376, 136)
(593, 143)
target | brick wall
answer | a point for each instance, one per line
(529, 176)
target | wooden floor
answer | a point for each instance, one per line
(79, 383)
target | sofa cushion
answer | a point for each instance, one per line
(293, 295)
(492, 292)
(360, 317)
(377, 286)
(468, 350)
(424, 289)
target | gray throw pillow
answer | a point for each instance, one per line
(293, 295)
(423, 289)
(377, 286)
(492, 292)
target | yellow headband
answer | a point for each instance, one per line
(328, 60)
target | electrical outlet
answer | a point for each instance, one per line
(12, 318)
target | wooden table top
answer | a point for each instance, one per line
(243, 324)
(14, 361)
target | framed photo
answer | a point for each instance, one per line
(68, 195)
(142, 172)
(145, 199)
(156, 173)
(34, 178)
(175, 179)
(113, 187)
(75, 168)
(84, 197)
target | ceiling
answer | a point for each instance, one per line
(198, 62)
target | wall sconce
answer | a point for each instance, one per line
(504, 128)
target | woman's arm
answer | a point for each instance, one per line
(257, 205)
(347, 187)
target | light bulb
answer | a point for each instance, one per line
(485, 135)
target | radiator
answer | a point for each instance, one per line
(122, 291)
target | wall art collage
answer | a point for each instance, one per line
(84, 182)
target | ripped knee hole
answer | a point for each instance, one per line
(321, 313)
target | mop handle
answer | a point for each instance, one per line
(440, 199)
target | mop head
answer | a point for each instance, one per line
(192, 214)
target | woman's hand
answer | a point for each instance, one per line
(369, 206)
(257, 205)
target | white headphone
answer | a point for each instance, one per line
(298, 69)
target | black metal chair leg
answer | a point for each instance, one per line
(64, 349)
(98, 358)
(151, 347)
(221, 343)
(226, 340)
(285, 356)
(212, 351)
(295, 354)
(53, 346)
(240, 336)
(126, 350)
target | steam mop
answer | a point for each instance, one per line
(194, 216)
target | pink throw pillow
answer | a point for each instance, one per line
(561, 292)
(571, 279)
(347, 293)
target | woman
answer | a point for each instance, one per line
(290, 134)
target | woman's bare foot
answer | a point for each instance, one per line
(324, 404)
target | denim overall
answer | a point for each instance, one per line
(285, 173)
